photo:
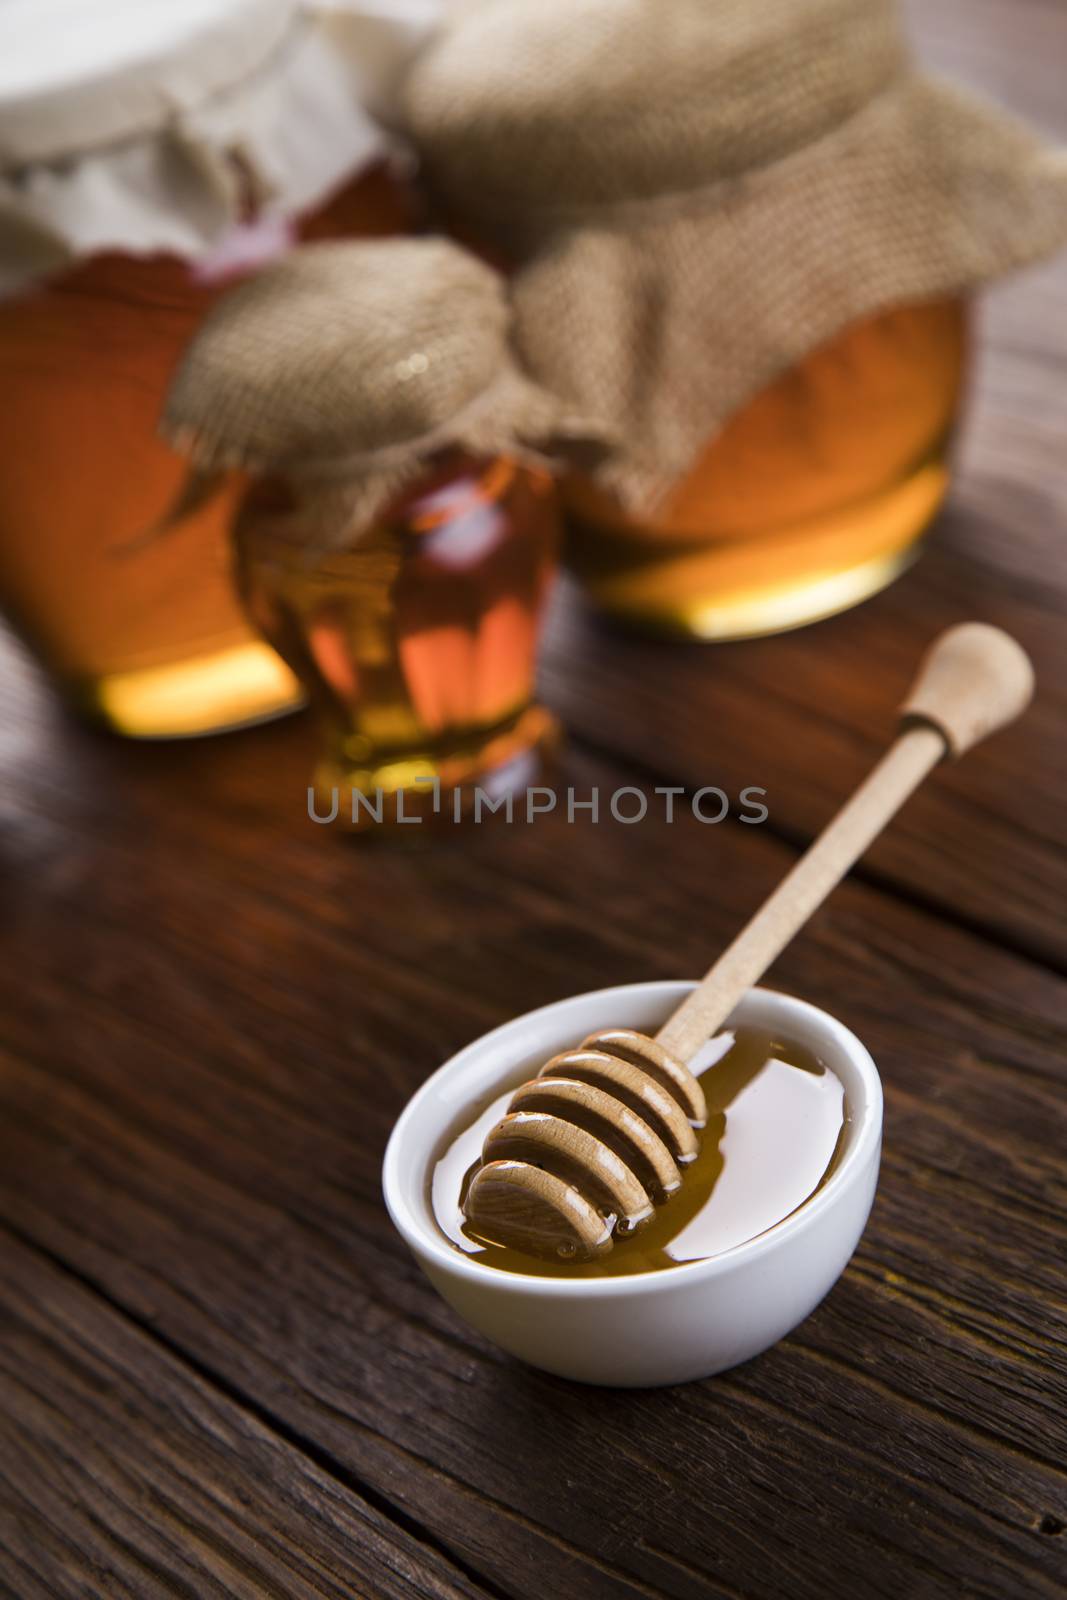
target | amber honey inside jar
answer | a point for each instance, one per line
(812, 498)
(144, 634)
(418, 645)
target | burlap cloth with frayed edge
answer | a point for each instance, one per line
(346, 369)
(701, 192)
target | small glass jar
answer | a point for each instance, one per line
(811, 499)
(418, 645)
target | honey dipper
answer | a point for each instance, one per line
(604, 1133)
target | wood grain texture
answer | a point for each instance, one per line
(123, 1474)
(220, 1374)
(805, 716)
(202, 1064)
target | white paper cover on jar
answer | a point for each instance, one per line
(145, 127)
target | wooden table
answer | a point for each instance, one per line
(220, 1373)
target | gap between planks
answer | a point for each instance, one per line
(797, 841)
(311, 1452)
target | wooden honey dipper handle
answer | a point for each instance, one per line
(974, 680)
(589, 1147)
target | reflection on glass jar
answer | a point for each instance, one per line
(811, 499)
(418, 646)
(145, 635)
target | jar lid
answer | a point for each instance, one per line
(341, 350)
(148, 125)
(79, 73)
(697, 194)
(346, 368)
(524, 104)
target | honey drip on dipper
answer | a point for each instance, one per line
(776, 1120)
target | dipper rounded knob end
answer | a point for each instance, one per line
(974, 680)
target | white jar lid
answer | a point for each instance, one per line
(81, 73)
(144, 125)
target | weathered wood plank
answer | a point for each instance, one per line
(1011, 493)
(214, 1023)
(805, 716)
(124, 1476)
(1012, 50)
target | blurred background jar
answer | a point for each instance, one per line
(163, 152)
(745, 239)
(814, 496)
(399, 535)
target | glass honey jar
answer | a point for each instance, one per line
(746, 245)
(417, 645)
(171, 153)
(814, 496)
(399, 535)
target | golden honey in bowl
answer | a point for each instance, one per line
(776, 1120)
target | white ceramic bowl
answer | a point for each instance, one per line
(657, 1327)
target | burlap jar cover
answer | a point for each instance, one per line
(701, 192)
(346, 369)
